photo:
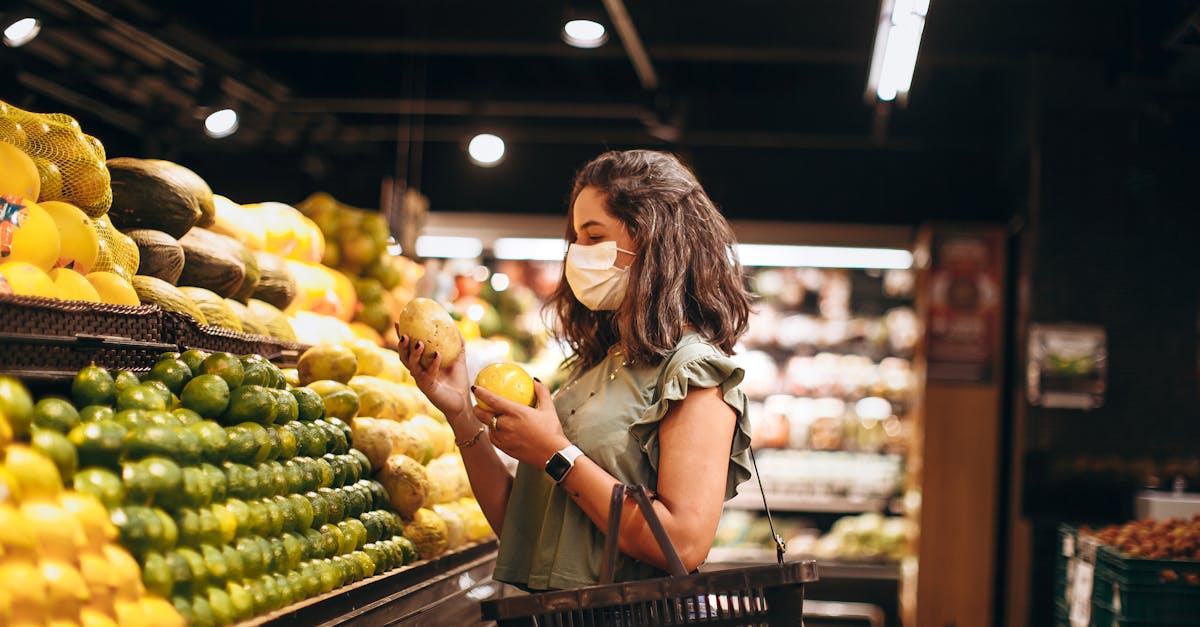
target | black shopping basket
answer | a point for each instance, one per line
(758, 595)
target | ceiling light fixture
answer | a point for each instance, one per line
(897, 41)
(221, 123)
(823, 257)
(584, 33)
(21, 31)
(529, 248)
(448, 247)
(486, 150)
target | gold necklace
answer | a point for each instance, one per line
(570, 384)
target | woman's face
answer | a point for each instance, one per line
(593, 224)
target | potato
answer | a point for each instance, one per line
(424, 320)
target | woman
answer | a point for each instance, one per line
(652, 303)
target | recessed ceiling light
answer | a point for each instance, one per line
(221, 123)
(486, 150)
(584, 33)
(21, 32)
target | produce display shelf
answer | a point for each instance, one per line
(812, 503)
(882, 569)
(442, 591)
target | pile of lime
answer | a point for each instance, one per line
(236, 492)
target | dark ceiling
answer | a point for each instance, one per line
(763, 97)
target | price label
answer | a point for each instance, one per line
(1081, 594)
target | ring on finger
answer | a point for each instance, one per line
(495, 421)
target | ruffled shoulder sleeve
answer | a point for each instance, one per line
(698, 365)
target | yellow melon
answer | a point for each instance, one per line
(18, 174)
(80, 245)
(113, 289)
(73, 286)
(27, 233)
(26, 279)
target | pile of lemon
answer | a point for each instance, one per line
(55, 239)
(59, 558)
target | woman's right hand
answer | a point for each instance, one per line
(444, 385)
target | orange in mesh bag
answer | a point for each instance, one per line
(70, 162)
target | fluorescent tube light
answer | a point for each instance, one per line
(446, 247)
(897, 41)
(823, 257)
(529, 248)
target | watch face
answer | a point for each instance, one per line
(557, 467)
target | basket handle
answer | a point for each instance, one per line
(642, 497)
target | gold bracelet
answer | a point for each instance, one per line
(474, 439)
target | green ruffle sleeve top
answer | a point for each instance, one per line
(612, 413)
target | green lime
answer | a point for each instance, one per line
(141, 396)
(287, 408)
(58, 448)
(139, 527)
(355, 532)
(315, 542)
(202, 610)
(196, 491)
(325, 473)
(222, 606)
(366, 565)
(271, 590)
(240, 599)
(216, 482)
(310, 440)
(272, 479)
(182, 603)
(131, 418)
(156, 574)
(378, 556)
(233, 563)
(241, 514)
(124, 380)
(170, 535)
(55, 414)
(253, 560)
(196, 566)
(186, 416)
(101, 483)
(408, 548)
(187, 520)
(242, 481)
(274, 518)
(160, 417)
(294, 548)
(335, 503)
(214, 441)
(207, 395)
(341, 404)
(225, 366)
(250, 403)
(334, 539)
(357, 500)
(191, 447)
(168, 355)
(309, 580)
(161, 388)
(249, 443)
(379, 496)
(339, 469)
(171, 372)
(303, 510)
(214, 564)
(343, 440)
(364, 464)
(93, 385)
(181, 573)
(92, 413)
(193, 359)
(256, 373)
(373, 525)
(350, 571)
(260, 519)
(353, 469)
(293, 474)
(17, 405)
(278, 561)
(98, 443)
(319, 508)
(295, 586)
(309, 404)
(149, 478)
(151, 440)
(330, 575)
(210, 526)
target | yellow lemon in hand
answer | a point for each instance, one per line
(507, 380)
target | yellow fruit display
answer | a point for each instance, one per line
(28, 598)
(113, 289)
(19, 176)
(79, 242)
(27, 233)
(51, 176)
(507, 380)
(70, 285)
(24, 279)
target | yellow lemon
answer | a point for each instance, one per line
(19, 176)
(36, 475)
(73, 286)
(58, 533)
(79, 242)
(51, 176)
(29, 597)
(160, 613)
(99, 580)
(24, 279)
(27, 233)
(92, 617)
(127, 575)
(91, 514)
(130, 614)
(65, 588)
(507, 380)
(113, 289)
(16, 534)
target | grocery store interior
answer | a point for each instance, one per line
(970, 228)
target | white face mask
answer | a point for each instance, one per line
(594, 278)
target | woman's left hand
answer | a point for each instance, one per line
(529, 434)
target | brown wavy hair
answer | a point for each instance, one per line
(686, 269)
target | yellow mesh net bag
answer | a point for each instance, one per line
(69, 161)
(118, 253)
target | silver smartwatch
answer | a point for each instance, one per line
(562, 462)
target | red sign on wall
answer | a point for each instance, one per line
(965, 306)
